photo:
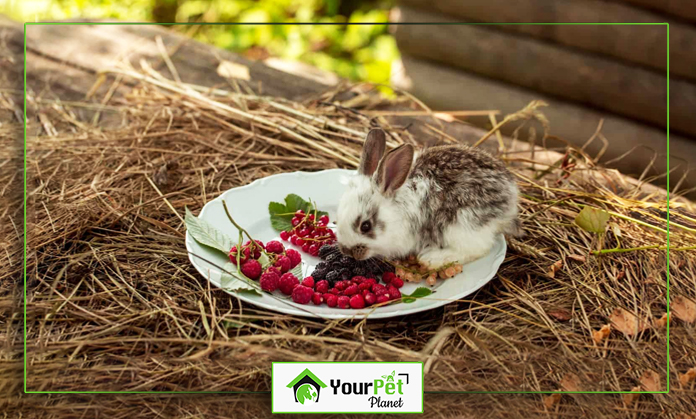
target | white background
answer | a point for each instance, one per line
(284, 398)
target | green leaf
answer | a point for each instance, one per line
(593, 220)
(420, 292)
(297, 271)
(232, 280)
(282, 214)
(206, 235)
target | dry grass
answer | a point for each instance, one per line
(114, 304)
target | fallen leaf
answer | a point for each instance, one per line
(616, 230)
(579, 258)
(627, 322)
(662, 321)
(630, 398)
(684, 309)
(560, 314)
(593, 220)
(687, 377)
(650, 381)
(555, 268)
(571, 382)
(551, 400)
(230, 70)
(601, 334)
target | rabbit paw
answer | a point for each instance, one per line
(433, 258)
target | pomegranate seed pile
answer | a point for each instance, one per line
(309, 233)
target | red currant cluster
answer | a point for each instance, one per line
(281, 260)
(358, 292)
(309, 233)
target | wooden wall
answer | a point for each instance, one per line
(587, 73)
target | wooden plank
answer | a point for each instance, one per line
(444, 88)
(682, 9)
(549, 68)
(644, 45)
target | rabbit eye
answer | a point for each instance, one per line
(365, 227)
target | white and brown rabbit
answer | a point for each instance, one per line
(445, 205)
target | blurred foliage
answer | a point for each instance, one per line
(358, 52)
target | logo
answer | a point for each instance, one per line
(347, 387)
(306, 387)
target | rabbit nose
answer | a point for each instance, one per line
(359, 252)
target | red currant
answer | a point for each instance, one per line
(284, 235)
(324, 219)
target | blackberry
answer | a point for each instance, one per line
(327, 250)
(322, 265)
(319, 274)
(333, 257)
(336, 266)
(347, 261)
(332, 277)
(359, 271)
(345, 275)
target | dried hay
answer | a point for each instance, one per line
(114, 304)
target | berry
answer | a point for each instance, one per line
(233, 256)
(351, 290)
(319, 274)
(326, 250)
(365, 292)
(299, 241)
(343, 301)
(334, 291)
(322, 286)
(394, 293)
(305, 247)
(299, 214)
(310, 217)
(388, 277)
(379, 289)
(331, 300)
(303, 232)
(287, 283)
(397, 282)
(332, 276)
(308, 282)
(364, 286)
(275, 270)
(302, 294)
(283, 263)
(332, 257)
(370, 298)
(275, 247)
(252, 269)
(314, 250)
(295, 221)
(284, 235)
(269, 281)
(341, 285)
(357, 301)
(382, 298)
(324, 219)
(317, 298)
(293, 239)
(295, 257)
(359, 279)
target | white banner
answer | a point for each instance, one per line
(347, 387)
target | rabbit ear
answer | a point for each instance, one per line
(373, 150)
(394, 169)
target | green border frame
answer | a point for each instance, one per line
(379, 412)
(24, 335)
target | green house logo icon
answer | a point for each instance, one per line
(306, 387)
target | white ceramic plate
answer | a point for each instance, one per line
(249, 207)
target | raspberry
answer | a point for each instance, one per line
(287, 283)
(357, 301)
(284, 235)
(308, 282)
(394, 293)
(317, 298)
(359, 279)
(351, 290)
(364, 286)
(233, 256)
(252, 269)
(295, 257)
(365, 292)
(302, 294)
(387, 277)
(370, 298)
(343, 301)
(397, 282)
(283, 263)
(274, 269)
(382, 298)
(379, 289)
(322, 286)
(275, 247)
(341, 285)
(334, 291)
(269, 281)
(331, 300)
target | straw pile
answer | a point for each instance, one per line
(114, 304)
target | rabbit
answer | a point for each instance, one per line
(446, 204)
